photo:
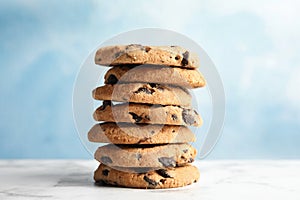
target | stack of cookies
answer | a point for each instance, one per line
(145, 115)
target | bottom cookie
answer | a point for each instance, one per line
(158, 179)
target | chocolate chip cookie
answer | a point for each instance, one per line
(144, 93)
(146, 156)
(139, 54)
(189, 78)
(161, 178)
(127, 133)
(149, 114)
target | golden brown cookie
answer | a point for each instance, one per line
(146, 156)
(144, 93)
(189, 78)
(149, 114)
(139, 54)
(158, 179)
(128, 133)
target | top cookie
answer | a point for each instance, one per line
(139, 54)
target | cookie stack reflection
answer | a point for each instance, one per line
(145, 116)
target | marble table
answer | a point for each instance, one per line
(72, 179)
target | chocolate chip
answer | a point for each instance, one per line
(150, 181)
(177, 57)
(147, 49)
(184, 60)
(153, 85)
(191, 160)
(188, 118)
(112, 79)
(106, 160)
(145, 90)
(167, 161)
(185, 150)
(142, 140)
(105, 103)
(105, 172)
(174, 117)
(163, 173)
(147, 117)
(152, 132)
(135, 117)
(172, 46)
(162, 180)
(139, 156)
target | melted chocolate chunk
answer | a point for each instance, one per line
(106, 160)
(145, 90)
(167, 161)
(162, 180)
(163, 173)
(139, 156)
(154, 85)
(150, 181)
(147, 49)
(135, 117)
(112, 79)
(184, 60)
(105, 172)
(188, 118)
(142, 140)
(174, 117)
(105, 103)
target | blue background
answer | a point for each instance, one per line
(254, 44)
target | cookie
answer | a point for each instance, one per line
(139, 54)
(144, 93)
(127, 133)
(149, 114)
(147, 156)
(158, 179)
(188, 78)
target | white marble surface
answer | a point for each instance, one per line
(72, 179)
